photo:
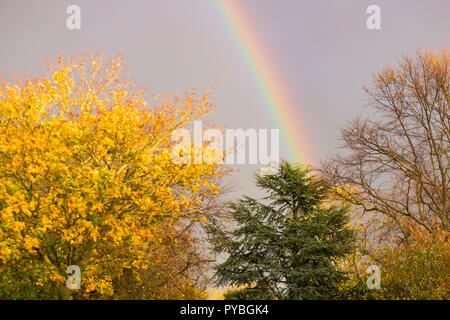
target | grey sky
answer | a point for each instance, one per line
(322, 49)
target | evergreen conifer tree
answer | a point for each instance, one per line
(286, 245)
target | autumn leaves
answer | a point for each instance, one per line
(86, 174)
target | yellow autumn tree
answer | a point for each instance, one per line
(86, 176)
(178, 269)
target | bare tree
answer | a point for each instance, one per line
(397, 162)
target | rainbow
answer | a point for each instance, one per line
(266, 78)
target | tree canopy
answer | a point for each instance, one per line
(286, 245)
(86, 176)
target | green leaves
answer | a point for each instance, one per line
(285, 245)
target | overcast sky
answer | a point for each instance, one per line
(322, 49)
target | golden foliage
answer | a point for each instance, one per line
(86, 172)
